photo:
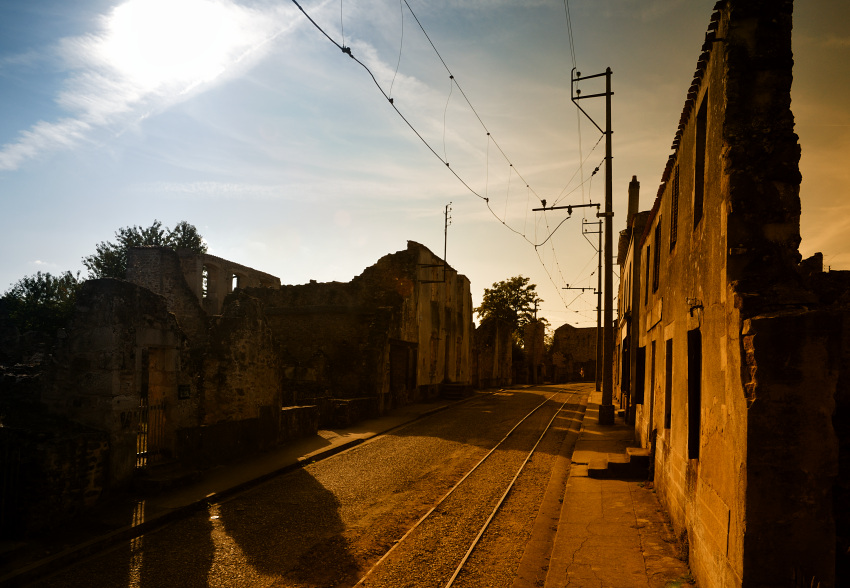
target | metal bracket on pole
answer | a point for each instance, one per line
(606, 408)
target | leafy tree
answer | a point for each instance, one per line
(42, 302)
(512, 301)
(110, 259)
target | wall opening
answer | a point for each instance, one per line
(234, 282)
(656, 262)
(646, 262)
(626, 368)
(640, 375)
(699, 160)
(156, 378)
(652, 388)
(668, 383)
(694, 392)
(674, 209)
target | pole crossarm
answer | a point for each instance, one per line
(568, 207)
(575, 94)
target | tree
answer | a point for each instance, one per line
(512, 301)
(110, 259)
(42, 302)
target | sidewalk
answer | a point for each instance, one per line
(126, 516)
(611, 532)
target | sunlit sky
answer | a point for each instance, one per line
(246, 121)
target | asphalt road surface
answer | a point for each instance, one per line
(330, 523)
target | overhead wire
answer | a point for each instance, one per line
(400, 47)
(347, 50)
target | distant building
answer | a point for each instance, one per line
(573, 354)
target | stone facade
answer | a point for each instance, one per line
(196, 360)
(492, 355)
(393, 335)
(733, 360)
(532, 367)
(573, 354)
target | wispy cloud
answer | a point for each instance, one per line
(148, 56)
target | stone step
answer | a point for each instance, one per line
(631, 465)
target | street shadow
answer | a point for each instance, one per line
(291, 527)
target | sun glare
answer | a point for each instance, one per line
(163, 42)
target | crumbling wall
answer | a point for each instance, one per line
(792, 365)
(573, 354)
(533, 335)
(98, 376)
(212, 278)
(159, 270)
(395, 333)
(492, 352)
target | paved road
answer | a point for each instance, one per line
(330, 522)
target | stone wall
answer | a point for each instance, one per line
(395, 333)
(737, 376)
(101, 368)
(573, 352)
(492, 355)
(212, 278)
(533, 335)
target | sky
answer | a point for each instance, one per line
(246, 120)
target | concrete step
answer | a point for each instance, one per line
(631, 465)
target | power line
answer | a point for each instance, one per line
(453, 82)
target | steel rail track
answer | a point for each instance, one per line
(461, 481)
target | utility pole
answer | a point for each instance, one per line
(448, 221)
(598, 301)
(606, 409)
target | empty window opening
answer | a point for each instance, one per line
(640, 375)
(694, 392)
(234, 282)
(205, 282)
(699, 161)
(656, 263)
(668, 383)
(652, 387)
(674, 209)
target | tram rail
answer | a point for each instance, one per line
(369, 578)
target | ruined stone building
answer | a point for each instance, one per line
(732, 355)
(573, 354)
(492, 354)
(196, 360)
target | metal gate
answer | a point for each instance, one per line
(150, 433)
